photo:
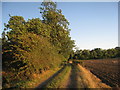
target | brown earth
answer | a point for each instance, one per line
(105, 69)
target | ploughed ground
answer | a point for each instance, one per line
(108, 70)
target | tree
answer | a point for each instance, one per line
(85, 54)
(3, 39)
(118, 51)
(36, 26)
(105, 54)
(99, 53)
(11, 33)
(59, 24)
(15, 27)
(53, 16)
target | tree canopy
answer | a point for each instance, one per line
(59, 25)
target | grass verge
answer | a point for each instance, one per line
(39, 78)
(57, 81)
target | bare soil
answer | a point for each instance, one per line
(105, 69)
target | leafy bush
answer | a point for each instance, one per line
(32, 54)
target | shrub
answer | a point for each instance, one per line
(31, 55)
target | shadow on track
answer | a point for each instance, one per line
(42, 85)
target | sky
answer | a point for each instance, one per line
(92, 24)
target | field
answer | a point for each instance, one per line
(107, 70)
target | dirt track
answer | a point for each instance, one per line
(74, 79)
(79, 77)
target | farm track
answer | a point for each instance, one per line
(77, 78)
(74, 79)
(49, 79)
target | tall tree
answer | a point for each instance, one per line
(36, 26)
(53, 16)
(15, 27)
(59, 24)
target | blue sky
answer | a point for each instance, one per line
(92, 24)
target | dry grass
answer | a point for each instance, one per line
(90, 80)
(40, 78)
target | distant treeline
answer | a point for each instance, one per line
(96, 53)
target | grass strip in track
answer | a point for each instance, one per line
(56, 81)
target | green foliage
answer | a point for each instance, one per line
(29, 54)
(53, 16)
(16, 24)
(117, 51)
(97, 53)
(59, 24)
(37, 27)
(35, 45)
